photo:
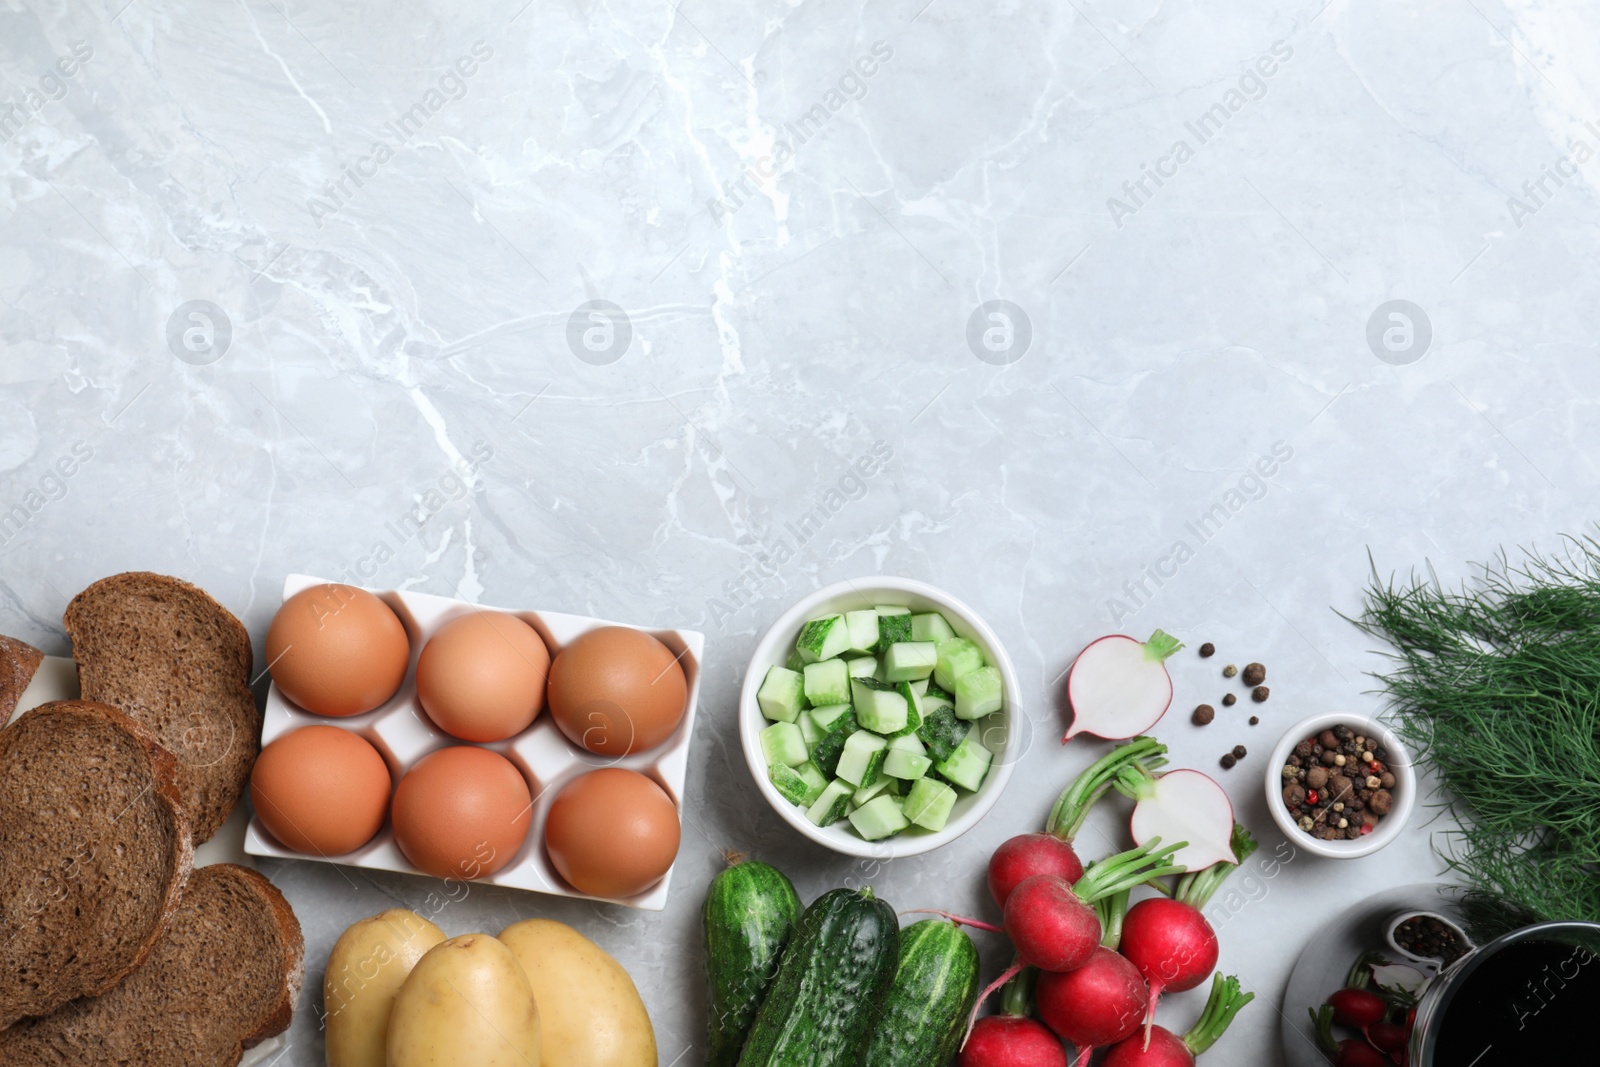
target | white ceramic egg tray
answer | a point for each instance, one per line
(402, 733)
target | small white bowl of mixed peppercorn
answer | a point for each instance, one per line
(1340, 785)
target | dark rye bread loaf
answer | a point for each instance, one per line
(224, 978)
(18, 661)
(94, 853)
(170, 656)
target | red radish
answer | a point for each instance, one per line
(1170, 941)
(1168, 1050)
(1052, 922)
(1181, 805)
(1051, 852)
(1119, 687)
(1351, 1052)
(1026, 855)
(1357, 1007)
(1388, 1037)
(1096, 1004)
(1011, 1041)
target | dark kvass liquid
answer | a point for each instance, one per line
(1534, 1002)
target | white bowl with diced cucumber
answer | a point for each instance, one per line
(875, 717)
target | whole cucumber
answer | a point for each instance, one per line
(831, 985)
(751, 911)
(935, 986)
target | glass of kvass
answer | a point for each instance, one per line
(1531, 995)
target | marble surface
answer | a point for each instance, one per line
(595, 306)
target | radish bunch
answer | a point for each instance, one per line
(1093, 967)
(1384, 1017)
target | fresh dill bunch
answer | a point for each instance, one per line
(1496, 687)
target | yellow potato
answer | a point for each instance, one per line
(365, 969)
(466, 1004)
(592, 1013)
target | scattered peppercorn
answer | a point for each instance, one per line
(1260, 693)
(1229, 700)
(1253, 674)
(1228, 760)
(1229, 671)
(1239, 752)
(1207, 650)
(1203, 715)
(1255, 720)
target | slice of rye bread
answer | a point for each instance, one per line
(224, 978)
(18, 661)
(94, 853)
(170, 656)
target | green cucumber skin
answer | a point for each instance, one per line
(935, 986)
(750, 914)
(821, 1009)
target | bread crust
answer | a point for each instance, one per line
(294, 959)
(163, 780)
(18, 662)
(211, 784)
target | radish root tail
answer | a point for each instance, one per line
(959, 920)
(972, 1017)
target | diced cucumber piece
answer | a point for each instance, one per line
(795, 661)
(879, 818)
(901, 763)
(865, 667)
(863, 629)
(827, 682)
(891, 609)
(892, 628)
(795, 786)
(907, 661)
(914, 712)
(978, 693)
(956, 657)
(826, 754)
(929, 803)
(815, 781)
(967, 765)
(919, 686)
(782, 742)
(862, 758)
(809, 730)
(936, 693)
(831, 804)
(866, 793)
(880, 707)
(781, 693)
(942, 732)
(826, 715)
(823, 638)
(930, 627)
(908, 743)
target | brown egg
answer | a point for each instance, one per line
(612, 833)
(616, 690)
(321, 790)
(481, 677)
(337, 650)
(461, 812)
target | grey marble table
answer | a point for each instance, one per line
(593, 307)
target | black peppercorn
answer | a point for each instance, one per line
(1239, 752)
(1255, 720)
(1229, 700)
(1260, 693)
(1207, 649)
(1253, 674)
(1228, 760)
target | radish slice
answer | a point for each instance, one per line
(1119, 687)
(1186, 806)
